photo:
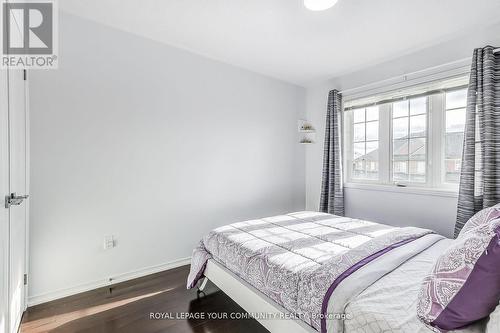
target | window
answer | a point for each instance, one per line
(454, 135)
(365, 143)
(410, 140)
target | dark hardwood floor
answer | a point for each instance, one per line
(129, 305)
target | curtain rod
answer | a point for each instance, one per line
(403, 98)
(404, 76)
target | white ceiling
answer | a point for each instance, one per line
(282, 39)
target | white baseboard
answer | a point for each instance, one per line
(53, 295)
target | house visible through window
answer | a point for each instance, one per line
(398, 142)
(409, 140)
(365, 143)
(454, 136)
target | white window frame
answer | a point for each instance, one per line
(428, 137)
(443, 138)
(435, 145)
(349, 148)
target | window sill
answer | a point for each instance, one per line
(439, 192)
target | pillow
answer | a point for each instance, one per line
(481, 218)
(464, 284)
(493, 325)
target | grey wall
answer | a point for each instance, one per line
(396, 208)
(151, 144)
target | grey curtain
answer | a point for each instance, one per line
(332, 191)
(480, 174)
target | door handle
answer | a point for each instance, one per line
(14, 200)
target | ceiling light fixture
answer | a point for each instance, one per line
(318, 5)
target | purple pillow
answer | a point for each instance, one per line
(464, 284)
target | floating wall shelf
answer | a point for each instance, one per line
(307, 132)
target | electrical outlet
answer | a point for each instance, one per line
(109, 242)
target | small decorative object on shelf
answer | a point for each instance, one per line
(305, 141)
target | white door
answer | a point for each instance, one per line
(4, 213)
(18, 188)
(13, 177)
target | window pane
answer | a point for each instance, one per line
(418, 149)
(409, 151)
(358, 164)
(359, 132)
(418, 158)
(418, 126)
(359, 150)
(358, 170)
(400, 150)
(400, 109)
(454, 135)
(372, 113)
(417, 171)
(400, 170)
(372, 148)
(400, 160)
(452, 171)
(359, 115)
(365, 129)
(372, 131)
(454, 145)
(371, 160)
(456, 99)
(453, 156)
(400, 128)
(418, 106)
(455, 120)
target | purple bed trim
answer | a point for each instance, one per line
(352, 269)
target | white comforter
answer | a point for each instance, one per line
(389, 304)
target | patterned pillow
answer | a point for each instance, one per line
(480, 218)
(493, 325)
(464, 284)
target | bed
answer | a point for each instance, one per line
(316, 272)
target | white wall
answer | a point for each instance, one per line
(151, 144)
(157, 146)
(396, 208)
